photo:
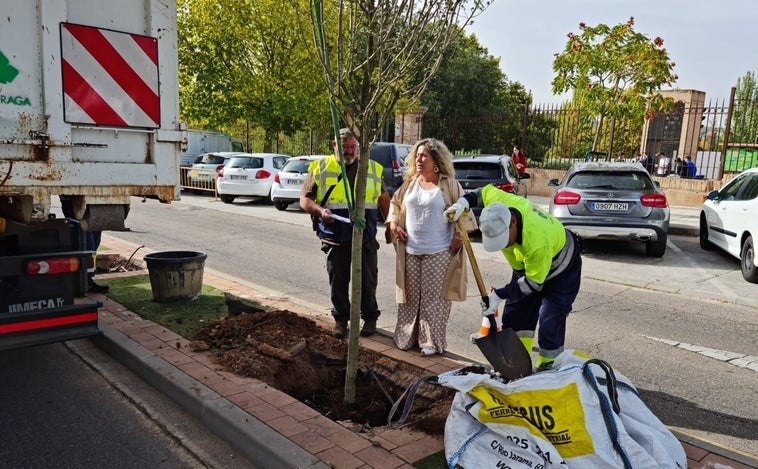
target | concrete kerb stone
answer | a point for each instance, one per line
(252, 438)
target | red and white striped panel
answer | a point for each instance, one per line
(109, 78)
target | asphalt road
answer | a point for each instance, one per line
(673, 325)
(67, 405)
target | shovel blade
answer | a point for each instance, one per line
(505, 352)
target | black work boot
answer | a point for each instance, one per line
(369, 327)
(340, 329)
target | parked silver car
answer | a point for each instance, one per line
(729, 221)
(616, 201)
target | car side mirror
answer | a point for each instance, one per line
(524, 176)
(553, 183)
(713, 195)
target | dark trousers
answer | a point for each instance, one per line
(338, 261)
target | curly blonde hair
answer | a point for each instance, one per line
(442, 158)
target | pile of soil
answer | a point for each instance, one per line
(296, 355)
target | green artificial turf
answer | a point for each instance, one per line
(183, 317)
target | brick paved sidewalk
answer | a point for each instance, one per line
(265, 409)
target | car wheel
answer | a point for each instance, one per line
(227, 199)
(281, 205)
(747, 261)
(704, 243)
(656, 248)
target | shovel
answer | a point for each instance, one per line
(502, 349)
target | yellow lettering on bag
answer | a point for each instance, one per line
(555, 415)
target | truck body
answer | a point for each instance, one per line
(204, 141)
(89, 111)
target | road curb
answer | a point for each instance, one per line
(256, 441)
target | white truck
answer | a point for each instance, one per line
(204, 141)
(89, 111)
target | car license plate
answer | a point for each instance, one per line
(610, 206)
(237, 177)
(294, 182)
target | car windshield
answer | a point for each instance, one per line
(628, 180)
(477, 170)
(212, 159)
(245, 162)
(296, 166)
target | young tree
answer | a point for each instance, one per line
(614, 72)
(373, 53)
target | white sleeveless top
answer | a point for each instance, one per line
(428, 233)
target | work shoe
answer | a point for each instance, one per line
(340, 330)
(369, 328)
(95, 288)
(544, 365)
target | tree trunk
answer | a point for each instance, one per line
(356, 275)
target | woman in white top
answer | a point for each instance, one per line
(430, 267)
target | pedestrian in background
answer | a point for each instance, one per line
(519, 159)
(691, 167)
(323, 196)
(430, 264)
(648, 162)
(663, 164)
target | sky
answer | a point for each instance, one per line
(712, 42)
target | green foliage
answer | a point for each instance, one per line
(470, 87)
(745, 119)
(185, 318)
(248, 61)
(614, 72)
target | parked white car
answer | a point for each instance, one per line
(729, 221)
(248, 175)
(289, 181)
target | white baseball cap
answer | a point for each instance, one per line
(495, 223)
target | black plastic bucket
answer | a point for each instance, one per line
(175, 275)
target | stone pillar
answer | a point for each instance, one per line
(408, 126)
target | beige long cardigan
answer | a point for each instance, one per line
(455, 285)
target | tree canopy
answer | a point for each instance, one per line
(614, 71)
(248, 60)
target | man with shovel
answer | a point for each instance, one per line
(546, 262)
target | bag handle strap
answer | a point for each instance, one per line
(605, 408)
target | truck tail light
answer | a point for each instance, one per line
(654, 200)
(566, 198)
(262, 174)
(61, 265)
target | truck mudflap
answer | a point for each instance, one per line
(52, 325)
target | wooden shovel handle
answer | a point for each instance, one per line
(472, 258)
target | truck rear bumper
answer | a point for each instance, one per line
(42, 327)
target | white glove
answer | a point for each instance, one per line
(494, 304)
(454, 212)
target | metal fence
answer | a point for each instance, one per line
(198, 179)
(720, 135)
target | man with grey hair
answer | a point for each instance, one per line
(324, 197)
